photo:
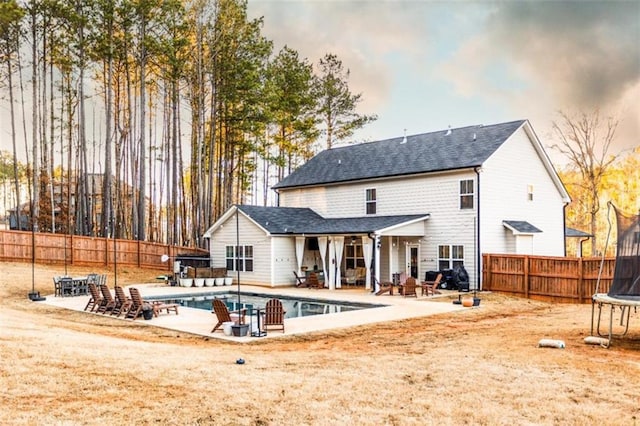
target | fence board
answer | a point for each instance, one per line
(16, 246)
(561, 279)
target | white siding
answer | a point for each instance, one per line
(436, 194)
(504, 196)
(249, 235)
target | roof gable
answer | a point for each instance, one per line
(452, 149)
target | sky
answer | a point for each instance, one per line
(423, 66)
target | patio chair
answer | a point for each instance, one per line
(300, 282)
(95, 299)
(361, 275)
(273, 315)
(314, 282)
(137, 304)
(385, 287)
(223, 315)
(431, 286)
(108, 302)
(409, 287)
(350, 277)
(123, 303)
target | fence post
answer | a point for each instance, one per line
(526, 276)
(580, 279)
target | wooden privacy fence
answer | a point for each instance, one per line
(560, 279)
(18, 246)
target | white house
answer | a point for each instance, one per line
(411, 204)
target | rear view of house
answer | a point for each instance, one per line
(412, 205)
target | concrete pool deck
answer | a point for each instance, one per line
(200, 321)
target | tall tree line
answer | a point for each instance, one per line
(150, 118)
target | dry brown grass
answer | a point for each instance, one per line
(478, 366)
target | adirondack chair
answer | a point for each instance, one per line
(223, 314)
(409, 287)
(431, 286)
(273, 315)
(314, 282)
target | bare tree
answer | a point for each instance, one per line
(585, 141)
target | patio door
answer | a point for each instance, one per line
(412, 255)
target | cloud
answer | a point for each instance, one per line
(585, 52)
(364, 35)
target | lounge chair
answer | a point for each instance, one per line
(137, 304)
(314, 282)
(95, 300)
(123, 303)
(223, 315)
(431, 286)
(273, 315)
(300, 282)
(385, 287)
(108, 302)
(409, 287)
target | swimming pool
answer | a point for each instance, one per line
(294, 306)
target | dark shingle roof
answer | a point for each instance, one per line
(428, 152)
(291, 220)
(521, 226)
(570, 232)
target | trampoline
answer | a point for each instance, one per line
(624, 293)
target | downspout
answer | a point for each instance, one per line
(564, 230)
(478, 286)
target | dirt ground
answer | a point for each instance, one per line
(478, 366)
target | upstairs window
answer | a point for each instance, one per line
(466, 194)
(370, 201)
(239, 258)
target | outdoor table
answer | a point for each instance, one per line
(67, 286)
(259, 333)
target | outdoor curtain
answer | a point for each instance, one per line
(322, 247)
(339, 248)
(366, 253)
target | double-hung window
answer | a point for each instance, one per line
(239, 258)
(370, 201)
(466, 194)
(450, 256)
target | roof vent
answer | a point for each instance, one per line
(448, 131)
(404, 139)
(474, 136)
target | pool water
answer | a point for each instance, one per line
(294, 307)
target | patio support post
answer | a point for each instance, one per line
(376, 251)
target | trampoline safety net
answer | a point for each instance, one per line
(626, 278)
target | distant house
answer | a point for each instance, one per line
(410, 204)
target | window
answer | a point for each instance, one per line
(450, 256)
(466, 194)
(353, 256)
(371, 201)
(530, 192)
(239, 258)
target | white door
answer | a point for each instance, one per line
(412, 256)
